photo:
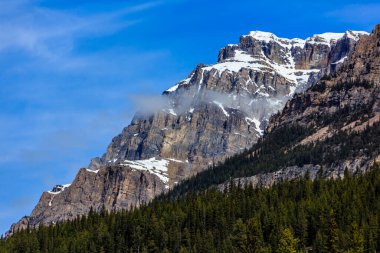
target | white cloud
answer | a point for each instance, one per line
(50, 33)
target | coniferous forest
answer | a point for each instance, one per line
(300, 216)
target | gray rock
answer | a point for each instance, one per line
(218, 111)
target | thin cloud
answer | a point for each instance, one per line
(51, 34)
(361, 14)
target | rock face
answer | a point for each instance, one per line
(216, 112)
(348, 102)
(113, 186)
(364, 63)
(327, 97)
(223, 108)
(333, 171)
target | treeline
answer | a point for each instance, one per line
(300, 216)
(321, 85)
(275, 151)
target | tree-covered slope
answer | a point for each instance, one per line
(285, 146)
(326, 216)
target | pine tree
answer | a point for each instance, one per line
(255, 240)
(288, 243)
(318, 244)
(239, 237)
(356, 241)
(332, 245)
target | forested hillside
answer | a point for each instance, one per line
(283, 146)
(325, 216)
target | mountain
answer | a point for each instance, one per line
(317, 216)
(331, 128)
(216, 112)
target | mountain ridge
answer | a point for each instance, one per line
(331, 128)
(223, 116)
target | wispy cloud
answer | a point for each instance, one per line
(51, 34)
(361, 14)
(65, 76)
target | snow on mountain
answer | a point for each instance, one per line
(261, 62)
(216, 112)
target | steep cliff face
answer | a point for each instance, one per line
(355, 85)
(223, 108)
(340, 110)
(217, 111)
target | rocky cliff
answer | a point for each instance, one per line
(339, 111)
(216, 112)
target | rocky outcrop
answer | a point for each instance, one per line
(333, 171)
(218, 111)
(346, 102)
(112, 187)
(230, 101)
(330, 95)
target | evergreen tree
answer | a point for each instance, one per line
(356, 240)
(239, 237)
(255, 240)
(288, 243)
(332, 243)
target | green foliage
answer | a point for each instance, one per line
(328, 216)
(278, 149)
(275, 152)
(288, 243)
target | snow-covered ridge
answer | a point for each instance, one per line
(268, 37)
(242, 59)
(325, 38)
(329, 38)
(278, 58)
(261, 63)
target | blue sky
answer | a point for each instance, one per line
(70, 70)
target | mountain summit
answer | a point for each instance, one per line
(217, 111)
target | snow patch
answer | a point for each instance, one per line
(175, 160)
(93, 171)
(58, 189)
(158, 167)
(172, 112)
(221, 107)
(329, 37)
(242, 56)
(183, 82)
(340, 61)
(256, 122)
(240, 134)
(201, 81)
(174, 88)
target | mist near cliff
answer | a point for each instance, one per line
(183, 101)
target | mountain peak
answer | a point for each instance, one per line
(261, 35)
(219, 110)
(331, 37)
(323, 38)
